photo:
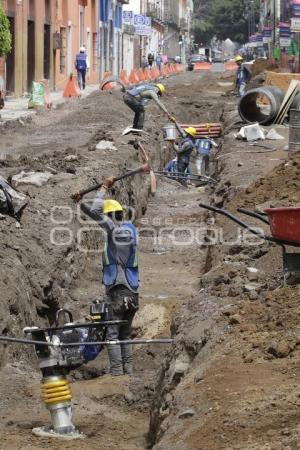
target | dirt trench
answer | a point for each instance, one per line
(37, 276)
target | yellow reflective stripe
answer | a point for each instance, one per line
(53, 384)
(58, 399)
(57, 394)
(55, 389)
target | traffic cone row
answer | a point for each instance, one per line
(140, 75)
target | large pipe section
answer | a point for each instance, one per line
(261, 105)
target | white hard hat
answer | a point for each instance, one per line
(82, 49)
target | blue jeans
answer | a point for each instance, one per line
(241, 89)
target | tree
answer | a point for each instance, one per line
(5, 35)
(223, 19)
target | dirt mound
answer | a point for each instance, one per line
(280, 187)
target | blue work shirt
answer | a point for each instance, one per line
(204, 146)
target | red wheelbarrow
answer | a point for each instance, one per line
(285, 230)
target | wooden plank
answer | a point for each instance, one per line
(287, 101)
(281, 80)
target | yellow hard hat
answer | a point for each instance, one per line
(111, 206)
(191, 131)
(161, 88)
(238, 58)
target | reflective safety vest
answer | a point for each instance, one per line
(137, 90)
(112, 258)
(81, 63)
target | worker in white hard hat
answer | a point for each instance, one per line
(243, 75)
(82, 66)
(120, 274)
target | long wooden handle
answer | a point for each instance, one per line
(80, 194)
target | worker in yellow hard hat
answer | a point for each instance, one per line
(139, 96)
(184, 149)
(243, 75)
(120, 274)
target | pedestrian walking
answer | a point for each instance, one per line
(139, 96)
(158, 61)
(242, 77)
(150, 59)
(204, 147)
(144, 62)
(81, 64)
(120, 274)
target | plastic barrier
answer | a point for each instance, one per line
(202, 66)
(231, 66)
(72, 89)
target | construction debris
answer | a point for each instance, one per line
(37, 179)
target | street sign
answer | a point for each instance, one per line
(285, 42)
(295, 24)
(142, 25)
(128, 17)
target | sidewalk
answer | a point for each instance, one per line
(17, 108)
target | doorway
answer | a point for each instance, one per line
(10, 60)
(30, 54)
(47, 37)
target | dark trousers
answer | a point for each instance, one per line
(182, 165)
(81, 78)
(123, 306)
(139, 110)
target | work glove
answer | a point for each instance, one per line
(109, 182)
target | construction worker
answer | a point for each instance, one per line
(204, 147)
(138, 97)
(184, 148)
(242, 77)
(171, 169)
(120, 274)
(81, 64)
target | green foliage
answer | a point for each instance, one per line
(203, 32)
(5, 35)
(224, 18)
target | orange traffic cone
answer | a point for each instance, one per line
(140, 75)
(133, 78)
(123, 78)
(72, 89)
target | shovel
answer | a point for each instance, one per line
(143, 169)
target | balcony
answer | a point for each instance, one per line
(154, 12)
(171, 18)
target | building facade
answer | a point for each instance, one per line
(47, 35)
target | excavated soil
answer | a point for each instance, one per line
(230, 380)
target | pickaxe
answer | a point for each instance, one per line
(138, 146)
(145, 168)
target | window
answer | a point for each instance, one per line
(63, 50)
(95, 52)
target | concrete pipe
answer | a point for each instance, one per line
(261, 104)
